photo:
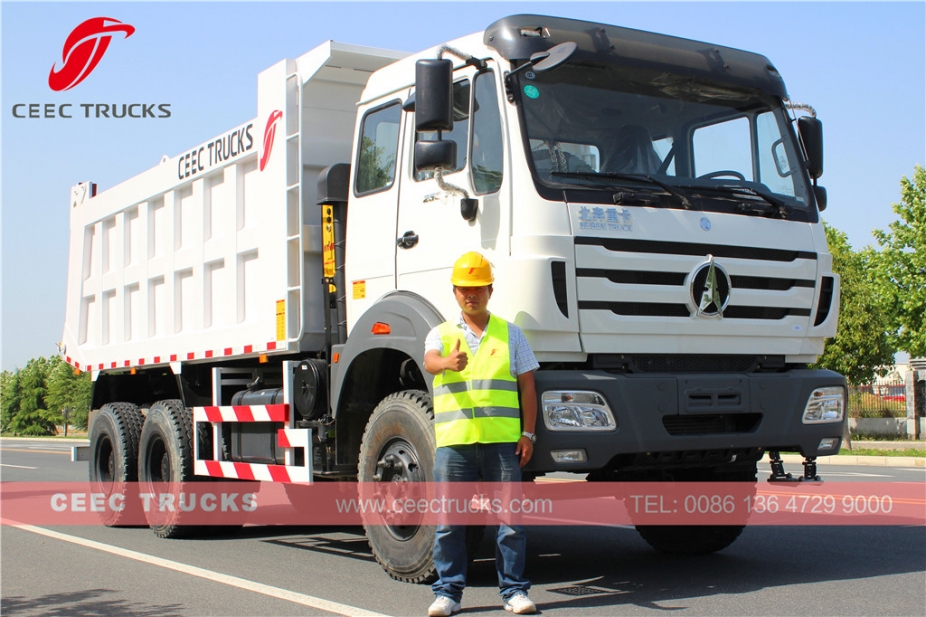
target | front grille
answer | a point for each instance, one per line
(658, 309)
(698, 363)
(691, 248)
(634, 277)
(649, 278)
(770, 284)
(711, 424)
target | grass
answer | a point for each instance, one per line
(884, 438)
(71, 435)
(917, 452)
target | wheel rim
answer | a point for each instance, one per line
(398, 463)
(158, 459)
(105, 464)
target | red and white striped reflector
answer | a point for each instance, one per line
(242, 413)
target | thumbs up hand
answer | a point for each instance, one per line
(456, 360)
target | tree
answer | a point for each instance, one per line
(376, 168)
(862, 347)
(10, 396)
(32, 417)
(902, 265)
(69, 390)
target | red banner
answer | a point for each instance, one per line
(536, 503)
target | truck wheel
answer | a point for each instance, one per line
(114, 456)
(699, 539)
(398, 446)
(165, 462)
(689, 540)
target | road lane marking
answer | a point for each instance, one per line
(233, 581)
(35, 451)
(854, 474)
(16, 466)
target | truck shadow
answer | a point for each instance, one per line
(610, 567)
(341, 541)
(591, 568)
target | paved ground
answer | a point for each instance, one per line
(865, 460)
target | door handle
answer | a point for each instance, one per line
(408, 240)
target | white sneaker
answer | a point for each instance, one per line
(520, 604)
(443, 607)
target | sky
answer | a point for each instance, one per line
(861, 65)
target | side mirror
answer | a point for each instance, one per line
(433, 95)
(553, 57)
(819, 193)
(811, 131)
(432, 155)
(542, 61)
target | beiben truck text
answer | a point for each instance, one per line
(256, 307)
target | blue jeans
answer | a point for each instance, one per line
(494, 462)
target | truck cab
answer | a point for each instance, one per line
(651, 208)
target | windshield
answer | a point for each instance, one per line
(599, 128)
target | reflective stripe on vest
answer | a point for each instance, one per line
(480, 403)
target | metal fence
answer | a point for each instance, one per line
(877, 401)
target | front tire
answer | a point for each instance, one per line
(699, 539)
(398, 446)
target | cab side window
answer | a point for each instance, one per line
(379, 146)
(487, 135)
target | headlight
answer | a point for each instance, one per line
(825, 405)
(576, 411)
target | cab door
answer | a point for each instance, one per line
(431, 232)
(371, 215)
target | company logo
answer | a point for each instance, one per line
(217, 151)
(83, 50)
(605, 219)
(710, 289)
(270, 132)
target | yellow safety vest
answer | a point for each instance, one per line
(480, 403)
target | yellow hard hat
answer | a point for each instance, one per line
(472, 270)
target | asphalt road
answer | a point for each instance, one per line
(327, 571)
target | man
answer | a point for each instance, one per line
(480, 364)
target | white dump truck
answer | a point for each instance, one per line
(256, 306)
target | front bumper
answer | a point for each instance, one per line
(678, 419)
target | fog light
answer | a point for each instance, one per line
(576, 411)
(825, 405)
(569, 456)
(829, 443)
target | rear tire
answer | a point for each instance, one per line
(165, 462)
(114, 458)
(401, 428)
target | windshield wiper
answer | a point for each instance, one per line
(776, 206)
(643, 178)
(773, 206)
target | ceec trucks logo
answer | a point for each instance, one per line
(83, 50)
(227, 147)
(270, 132)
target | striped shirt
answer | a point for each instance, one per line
(522, 358)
